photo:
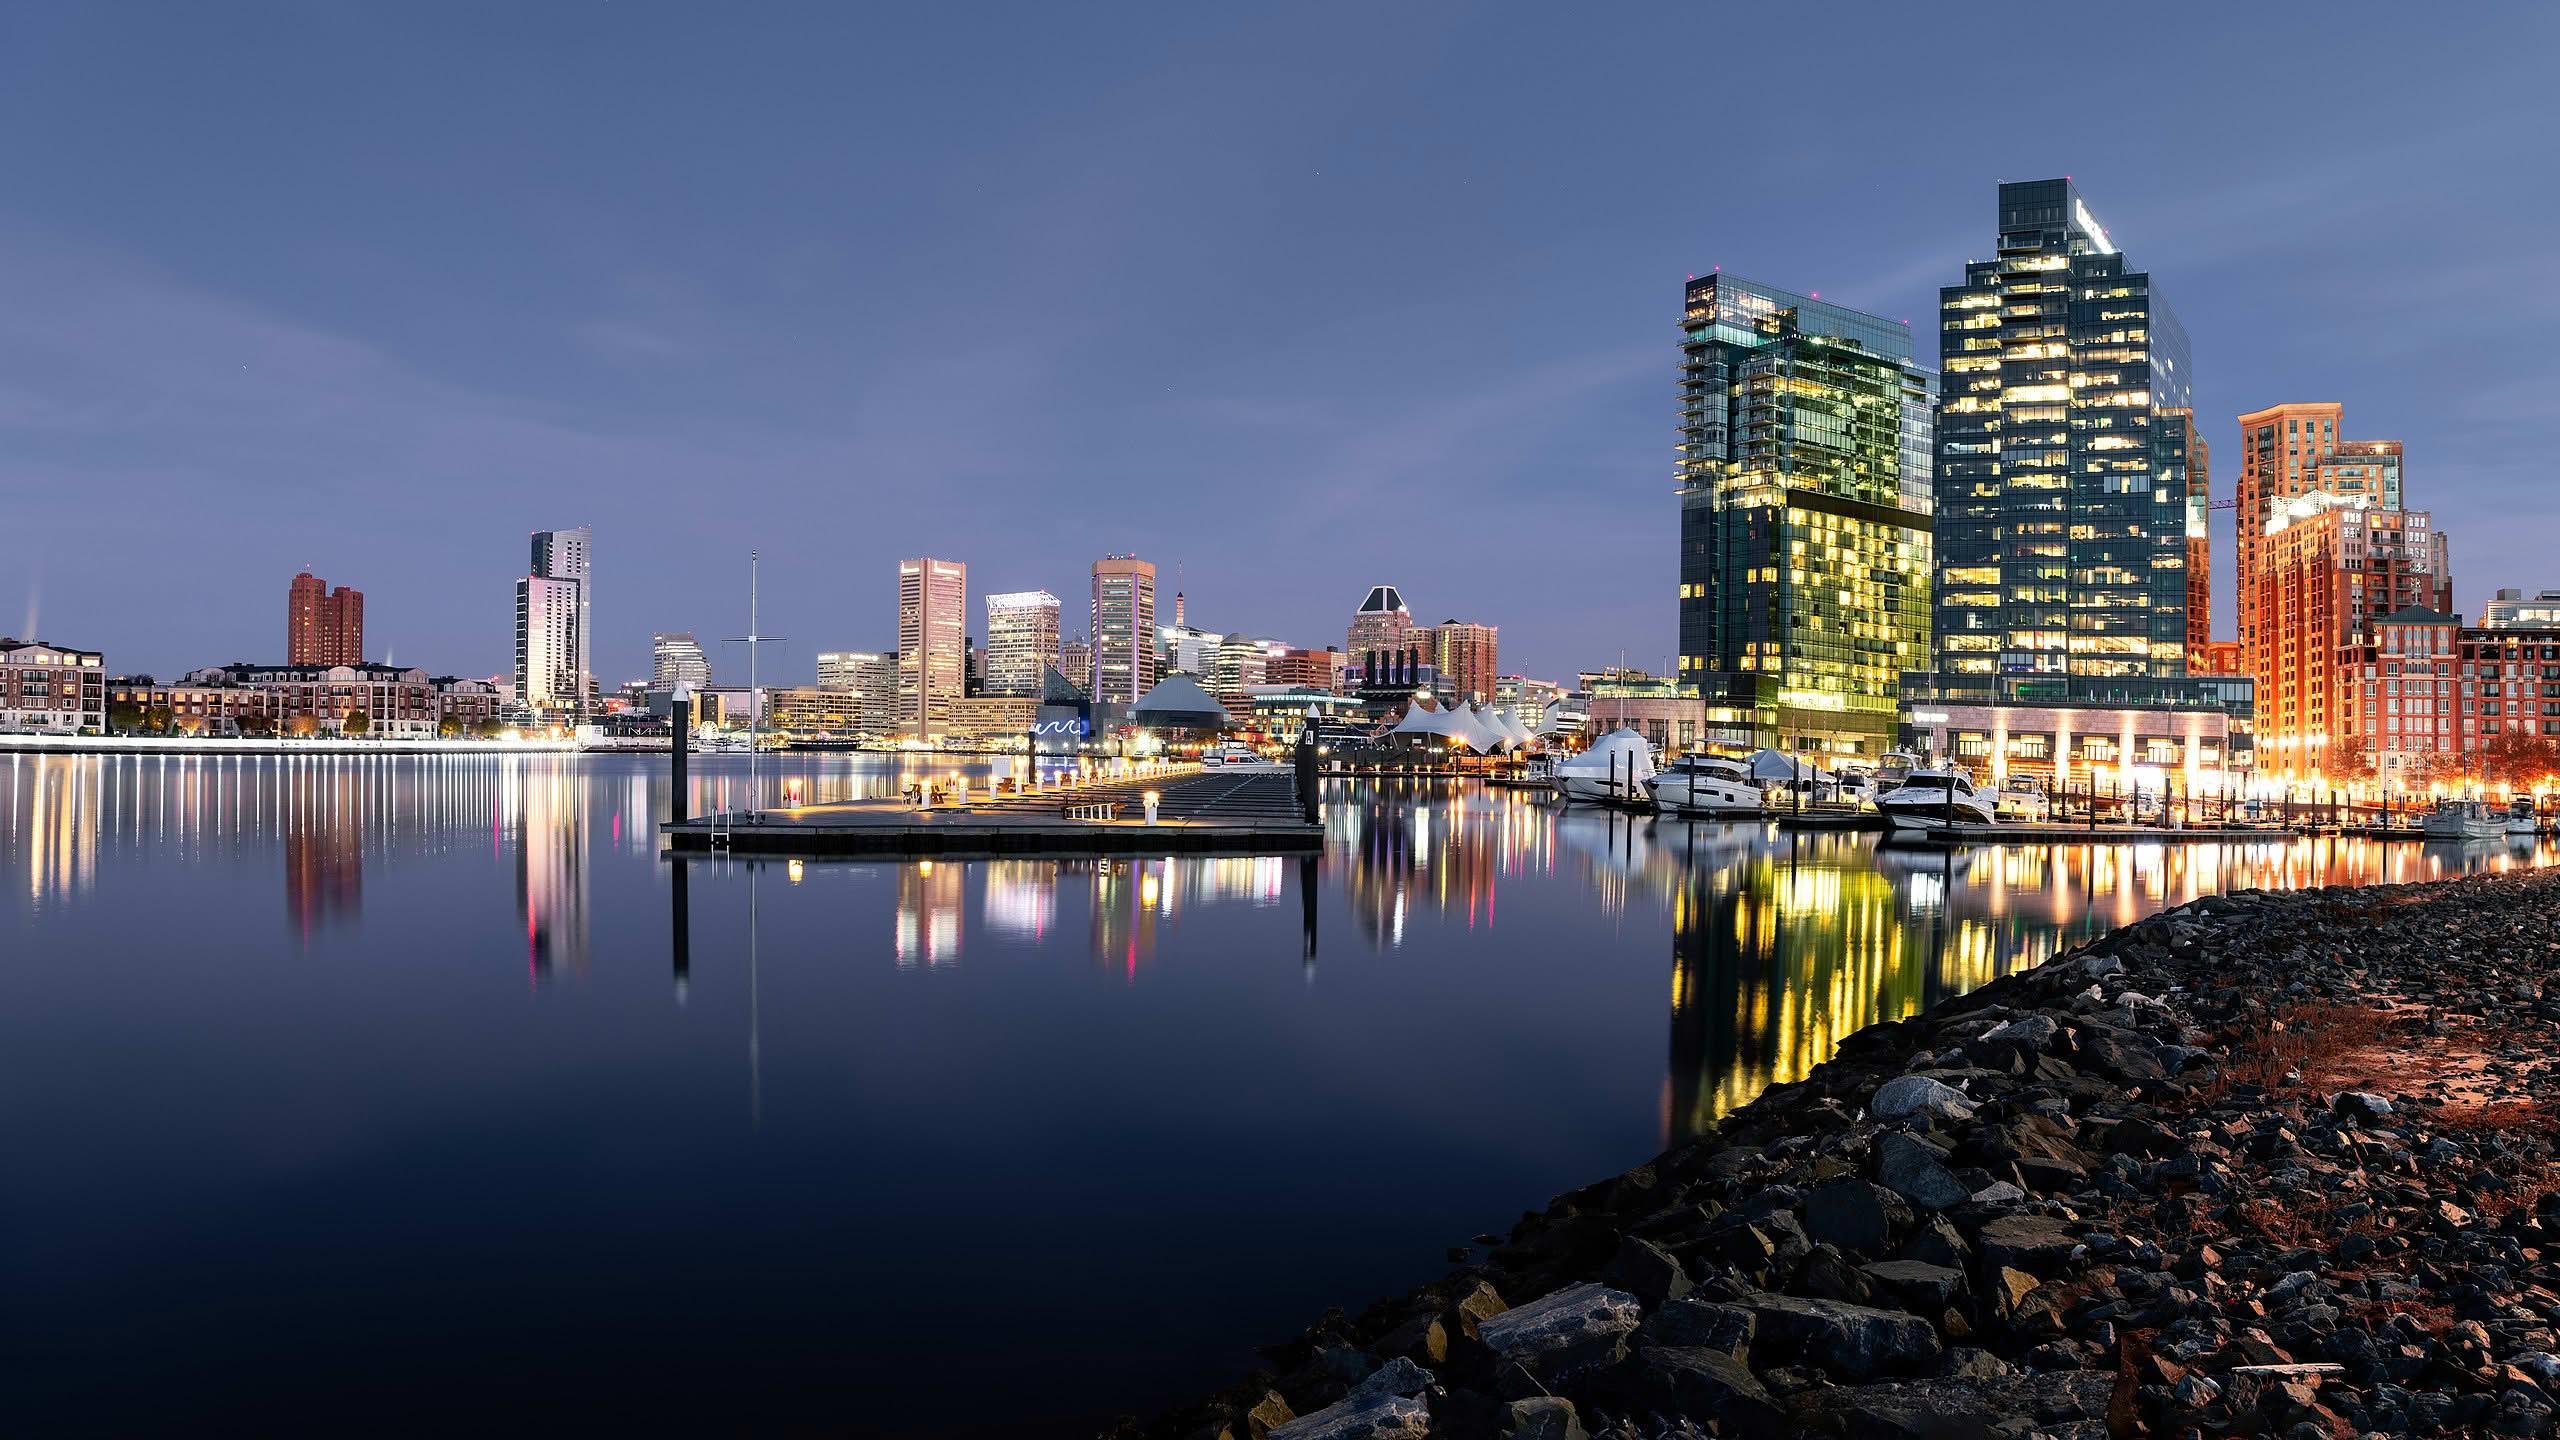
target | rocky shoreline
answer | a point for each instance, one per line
(2272, 1163)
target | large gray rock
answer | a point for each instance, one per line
(1542, 1417)
(1907, 1095)
(1647, 1271)
(1386, 1406)
(1700, 1325)
(1920, 1286)
(1851, 1214)
(1571, 1316)
(1852, 1341)
(1917, 1171)
(2037, 1244)
(1709, 1385)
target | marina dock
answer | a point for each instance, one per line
(1197, 811)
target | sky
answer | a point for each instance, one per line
(1290, 300)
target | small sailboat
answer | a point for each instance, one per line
(1928, 798)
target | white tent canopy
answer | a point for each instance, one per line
(1777, 766)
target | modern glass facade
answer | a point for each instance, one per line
(2061, 475)
(1804, 517)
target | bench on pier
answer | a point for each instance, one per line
(1092, 810)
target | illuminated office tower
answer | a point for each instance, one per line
(1467, 655)
(1124, 629)
(677, 659)
(1804, 517)
(2061, 479)
(1022, 641)
(1382, 623)
(870, 675)
(2199, 539)
(933, 642)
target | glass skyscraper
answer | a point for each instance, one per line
(2061, 476)
(1804, 517)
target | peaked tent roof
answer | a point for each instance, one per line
(1177, 699)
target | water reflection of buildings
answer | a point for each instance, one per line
(551, 870)
(1404, 847)
(322, 814)
(928, 914)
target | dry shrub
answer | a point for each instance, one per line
(2510, 1117)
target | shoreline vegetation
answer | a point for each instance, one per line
(2270, 1163)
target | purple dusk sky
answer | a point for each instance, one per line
(1294, 298)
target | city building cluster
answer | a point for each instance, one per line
(2005, 559)
(2002, 559)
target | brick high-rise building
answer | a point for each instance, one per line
(2328, 568)
(323, 626)
(1381, 623)
(1467, 656)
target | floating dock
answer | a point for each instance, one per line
(1197, 811)
(2067, 834)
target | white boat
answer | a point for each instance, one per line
(2454, 819)
(1617, 769)
(1233, 758)
(2022, 801)
(1927, 799)
(1705, 785)
(2521, 819)
(720, 742)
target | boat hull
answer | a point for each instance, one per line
(1596, 790)
(1922, 818)
(1674, 795)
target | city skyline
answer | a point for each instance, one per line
(312, 377)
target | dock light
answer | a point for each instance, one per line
(1151, 797)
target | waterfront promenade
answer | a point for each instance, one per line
(1197, 810)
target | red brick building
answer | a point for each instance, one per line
(51, 689)
(323, 626)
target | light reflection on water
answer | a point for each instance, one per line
(1338, 1064)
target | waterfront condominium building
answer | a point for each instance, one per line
(52, 688)
(323, 626)
(2328, 567)
(2062, 475)
(1382, 623)
(1022, 641)
(678, 659)
(1804, 517)
(1124, 629)
(554, 617)
(1467, 655)
(2288, 452)
(933, 642)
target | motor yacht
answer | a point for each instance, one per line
(1928, 799)
(1705, 785)
(2521, 819)
(2459, 819)
(1617, 769)
(2023, 801)
(1232, 758)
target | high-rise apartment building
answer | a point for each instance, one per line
(555, 674)
(1804, 517)
(1022, 641)
(870, 675)
(678, 659)
(1467, 655)
(2512, 610)
(933, 643)
(1124, 629)
(2062, 479)
(2328, 567)
(1382, 622)
(323, 626)
(2286, 453)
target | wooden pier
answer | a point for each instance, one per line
(1197, 811)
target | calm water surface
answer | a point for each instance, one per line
(401, 1094)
